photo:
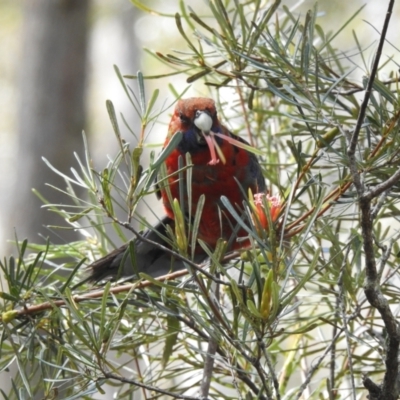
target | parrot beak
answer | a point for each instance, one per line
(203, 122)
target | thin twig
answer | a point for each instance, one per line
(96, 294)
(333, 353)
(360, 89)
(245, 116)
(315, 366)
(237, 367)
(345, 327)
(386, 254)
(109, 375)
(271, 371)
(210, 358)
(379, 204)
(329, 200)
(354, 139)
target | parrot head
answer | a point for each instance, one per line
(197, 119)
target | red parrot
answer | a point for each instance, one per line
(221, 166)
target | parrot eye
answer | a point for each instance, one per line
(184, 118)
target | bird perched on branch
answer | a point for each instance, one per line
(221, 165)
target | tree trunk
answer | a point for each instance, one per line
(51, 111)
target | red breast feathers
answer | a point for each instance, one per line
(219, 167)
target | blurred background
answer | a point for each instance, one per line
(56, 72)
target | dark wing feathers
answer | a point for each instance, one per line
(149, 258)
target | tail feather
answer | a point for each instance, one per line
(149, 258)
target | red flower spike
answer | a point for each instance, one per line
(274, 205)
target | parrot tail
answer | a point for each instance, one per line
(148, 257)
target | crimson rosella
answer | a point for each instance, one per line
(220, 166)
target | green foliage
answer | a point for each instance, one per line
(284, 313)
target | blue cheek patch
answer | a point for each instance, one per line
(189, 143)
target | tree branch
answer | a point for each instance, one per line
(382, 187)
(372, 289)
(354, 139)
